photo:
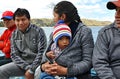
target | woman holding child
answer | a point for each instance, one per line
(75, 60)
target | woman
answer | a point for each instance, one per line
(74, 60)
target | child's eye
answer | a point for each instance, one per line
(60, 38)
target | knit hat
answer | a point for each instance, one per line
(61, 29)
(113, 4)
(7, 15)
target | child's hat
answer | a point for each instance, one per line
(61, 29)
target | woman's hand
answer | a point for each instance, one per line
(47, 67)
(60, 70)
(54, 69)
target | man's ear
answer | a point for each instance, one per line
(63, 17)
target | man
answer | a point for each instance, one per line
(28, 43)
(9, 23)
(106, 54)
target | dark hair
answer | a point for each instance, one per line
(21, 12)
(65, 7)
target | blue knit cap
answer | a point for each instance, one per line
(61, 29)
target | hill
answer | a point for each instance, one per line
(49, 22)
(88, 22)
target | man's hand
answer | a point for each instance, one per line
(28, 75)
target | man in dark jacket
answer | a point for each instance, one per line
(106, 54)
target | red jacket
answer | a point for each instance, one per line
(5, 41)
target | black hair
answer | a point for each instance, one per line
(66, 7)
(21, 12)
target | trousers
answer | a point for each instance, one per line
(10, 70)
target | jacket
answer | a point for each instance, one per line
(77, 56)
(27, 48)
(106, 54)
(5, 41)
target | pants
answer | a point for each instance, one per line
(44, 75)
(9, 70)
(4, 60)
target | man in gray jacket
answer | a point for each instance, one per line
(28, 43)
(106, 54)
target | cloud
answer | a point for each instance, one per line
(43, 9)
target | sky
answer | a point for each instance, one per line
(88, 9)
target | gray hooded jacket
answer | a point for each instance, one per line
(106, 54)
(77, 57)
(27, 48)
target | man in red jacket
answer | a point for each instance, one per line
(9, 23)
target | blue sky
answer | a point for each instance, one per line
(89, 9)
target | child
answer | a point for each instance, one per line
(62, 37)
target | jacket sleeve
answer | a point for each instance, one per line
(41, 48)
(44, 57)
(101, 59)
(87, 44)
(6, 48)
(15, 54)
(2, 40)
(1, 45)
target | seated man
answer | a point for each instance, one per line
(9, 23)
(28, 43)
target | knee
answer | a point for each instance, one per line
(2, 70)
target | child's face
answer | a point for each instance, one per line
(63, 42)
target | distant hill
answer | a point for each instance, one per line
(49, 22)
(89, 22)
(43, 22)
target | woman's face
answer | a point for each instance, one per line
(56, 17)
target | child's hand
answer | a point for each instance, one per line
(50, 55)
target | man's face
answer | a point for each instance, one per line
(22, 22)
(8, 22)
(117, 17)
